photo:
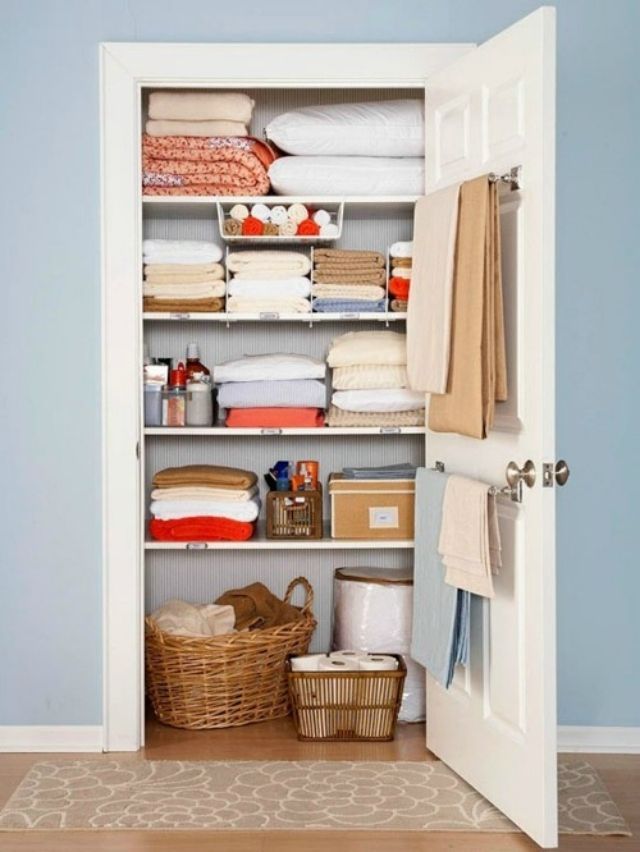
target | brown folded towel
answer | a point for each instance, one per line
(232, 227)
(270, 229)
(256, 607)
(399, 305)
(348, 255)
(405, 262)
(377, 277)
(180, 306)
(212, 475)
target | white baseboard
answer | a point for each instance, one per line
(50, 738)
(596, 739)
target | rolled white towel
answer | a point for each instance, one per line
(261, 211)
(297, 213)
(329, 230)
(279, 214)
(287, 229)
(402, 249)
(401, 272)
(321, 217)
(239, 212)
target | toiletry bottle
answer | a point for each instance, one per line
(199, 401)
(194, 365)
(174, 398)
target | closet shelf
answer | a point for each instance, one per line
(365, 200)
(310, 318)
(319, 432)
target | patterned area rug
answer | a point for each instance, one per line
(396, 796)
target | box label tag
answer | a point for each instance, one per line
(383, 517)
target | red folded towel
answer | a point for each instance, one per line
(200, 529)
(399, 287)
(275, 418)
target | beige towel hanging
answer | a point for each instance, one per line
(477, 365)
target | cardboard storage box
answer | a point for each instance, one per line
(371, 508)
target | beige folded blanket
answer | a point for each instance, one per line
(196, 128)
(201, 106)
(209, 475)
(203, 492)
(348, 291)
(206, 290)
(345, 256)
(152, 304)
(296, 305)
(340, 417)
(373, 277)
(183, 269)
(259, 262)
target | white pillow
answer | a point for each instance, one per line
(260, 368)
(376, 129)
(392, 399)
(348, 175)
(368, 347)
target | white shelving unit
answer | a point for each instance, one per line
(308, 318)
(322, 432)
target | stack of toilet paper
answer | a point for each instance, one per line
(344, 661)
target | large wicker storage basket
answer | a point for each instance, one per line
(225, 681)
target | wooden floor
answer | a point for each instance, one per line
(275, 741)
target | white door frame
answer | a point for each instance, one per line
(124, 70)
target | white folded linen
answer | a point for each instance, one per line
(366, 376)
(272, 367)
(368, 347)
(181, 251)
(353, 292)
(401, 272)
(238, 305)
(181, 618)
(283, 288)
(401, 249)
(214, 289)
(303, 393)
(201, 106)
(167, 510)
(379, 399)
(203, 492)
(219, 127)
(259, 261)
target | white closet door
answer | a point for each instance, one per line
(496, 726)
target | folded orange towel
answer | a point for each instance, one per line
(200, 529)
(274, 418)
(399, 287)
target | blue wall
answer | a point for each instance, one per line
(50, 578)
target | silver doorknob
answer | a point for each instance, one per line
(562, 472)
(516, 475)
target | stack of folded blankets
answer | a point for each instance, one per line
(202, 502)
(370, 382)
(182, 275)
(196, 143)
(272, 391)
(400, 278)
(269, 282)
(347, 280)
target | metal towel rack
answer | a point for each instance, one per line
(510, 178)
(517, 478)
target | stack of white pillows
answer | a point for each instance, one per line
(374, 148)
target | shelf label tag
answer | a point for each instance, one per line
(383, 517)
(271, 431)
(180, 316)
(390, 430)
(350, 315)
(197, 545)
(269, 315)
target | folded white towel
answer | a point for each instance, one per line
(203, 492)
(380, 399)
(401, 249)
(168, 510)
(239, 305)
(401, 272)
(368, 347)
(180, 251)
(470, 536)
(284, 288)
(273, 367)
(257, 262)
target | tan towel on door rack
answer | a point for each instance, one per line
(477, 363)
(469, 536)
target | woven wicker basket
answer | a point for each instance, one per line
(225, 681)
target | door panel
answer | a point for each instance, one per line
(496, 726)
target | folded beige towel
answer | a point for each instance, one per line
(373, 277)
(183, 269)
(345, 256)
(367, 376)
(196, 128)
(179, 280)
(201, 106)
(348, 291)
(470, 536)
(202, 492)
(209, 475)
(477, 363)
(340, 417)
(152, 304)
(207, 290)
(254, 262)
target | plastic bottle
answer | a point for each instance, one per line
(199, 401)
(174, 398)
(194, 365)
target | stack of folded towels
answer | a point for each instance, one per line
(196, 143)
(400, 278)
(269, 282)
(347, 280)
(370, 381)
(272, 391)
(182, 275)
(203, 502)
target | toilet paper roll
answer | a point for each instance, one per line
(338, 664)
(348, 654)
(308, 663)
(378, 663)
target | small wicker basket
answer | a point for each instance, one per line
(294, 514)
(225, 681)
(348, 706)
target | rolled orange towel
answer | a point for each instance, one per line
(308, 228)
(252, 227)
(399, 287)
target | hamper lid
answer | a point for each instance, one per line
(385, 576)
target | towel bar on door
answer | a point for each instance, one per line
(511, 178)
(516, 478)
